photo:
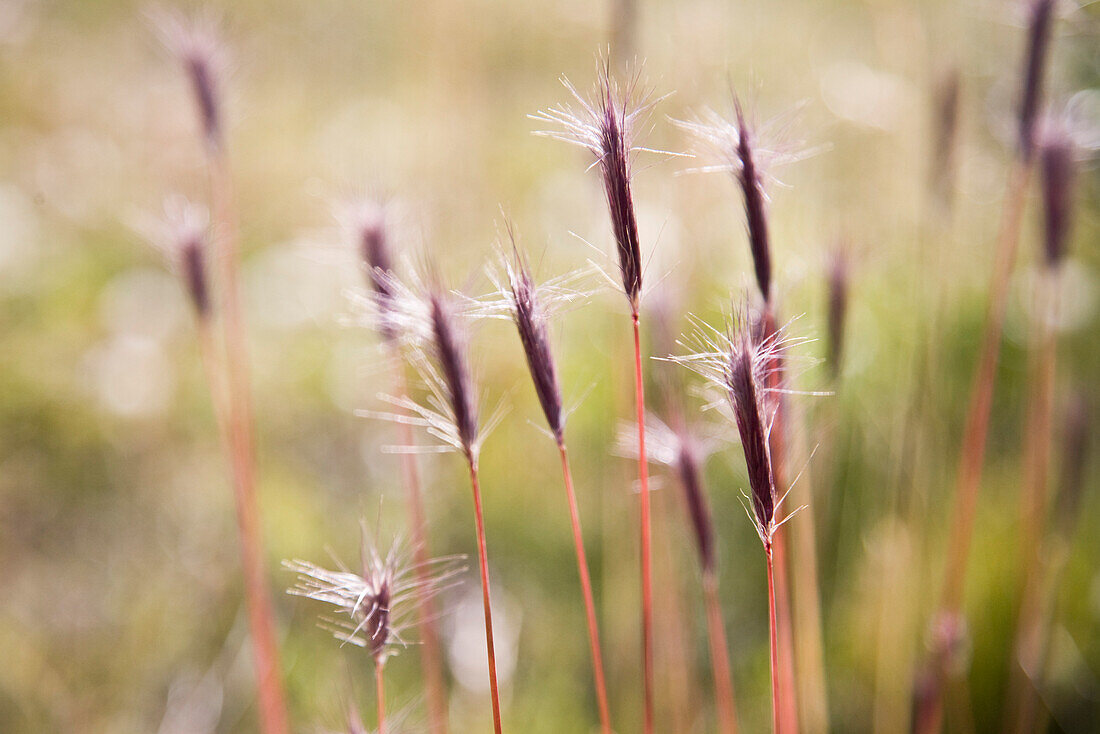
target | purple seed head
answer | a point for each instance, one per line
(948, 95)
(839, 273)
(194, 42)
(1040, 22)
(1057, 167)
(531, 322)
(449, 347)
(752, 189)
(192, 266)
(688, 465)
(615, 169)
(745, 382)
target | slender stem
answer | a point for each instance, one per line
(647, 571)
(774, 641)
(483, 563)
(1033, 509)
(977, 428)
(719, 655)
(380, 696)
(778, 447)
(430, 656)
(586, 588)
(273, 715)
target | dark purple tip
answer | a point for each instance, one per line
(615, 167)
(744, 381)
(193, 267)
(687, 464)
(375, 254)
(837, 309)
(531, 322)
(752, 187)
(1040, 21)
(376, 622)
(1058, 173)
(449, 351)
(206, 97)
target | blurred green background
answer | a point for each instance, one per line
(120, 597)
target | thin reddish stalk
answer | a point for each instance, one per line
(483, 564)
(788, 704)
(380, 695)
(981, 401)
(976, 430)
(719, 655)
(647, 571)
(586, 588)
(1033, 511)
(774, 642)
(430, 657)
(273, 715)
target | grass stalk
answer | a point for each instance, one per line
(647, 571)
(719, 655)
(586, 589)
(272, 700)
(380, 696)
(431, 659)
(483, 565)
(774, 641)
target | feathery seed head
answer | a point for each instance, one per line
(741, 150)
(365, 222)
(531, 321)
(195, 43)
(839, 276)
(376, 605)
(182, 233)
(605, 125)
(689, 467)
(1039, 23)
(1075, 440)
(1057, 167)
(449, 348)
(740, 361)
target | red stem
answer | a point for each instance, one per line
(647, 572)
(430, 657)
(975, 432)
(774, 641)
(273, 715)
(380, 694)
(719, 655)
(586, 588)
(483, 563)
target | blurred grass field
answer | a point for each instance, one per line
(120, 601)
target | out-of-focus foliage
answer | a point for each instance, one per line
(120, 600)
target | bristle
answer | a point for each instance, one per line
(752, 189)
(531, 322)
(450, 348)
(690, 471)
(838, 308)
(1058, 172)
(1040, 21)
(746, 393)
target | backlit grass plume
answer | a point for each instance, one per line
(374, 606)
(740, 361)
(528, 306)
(366, 223)
(605, 125)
